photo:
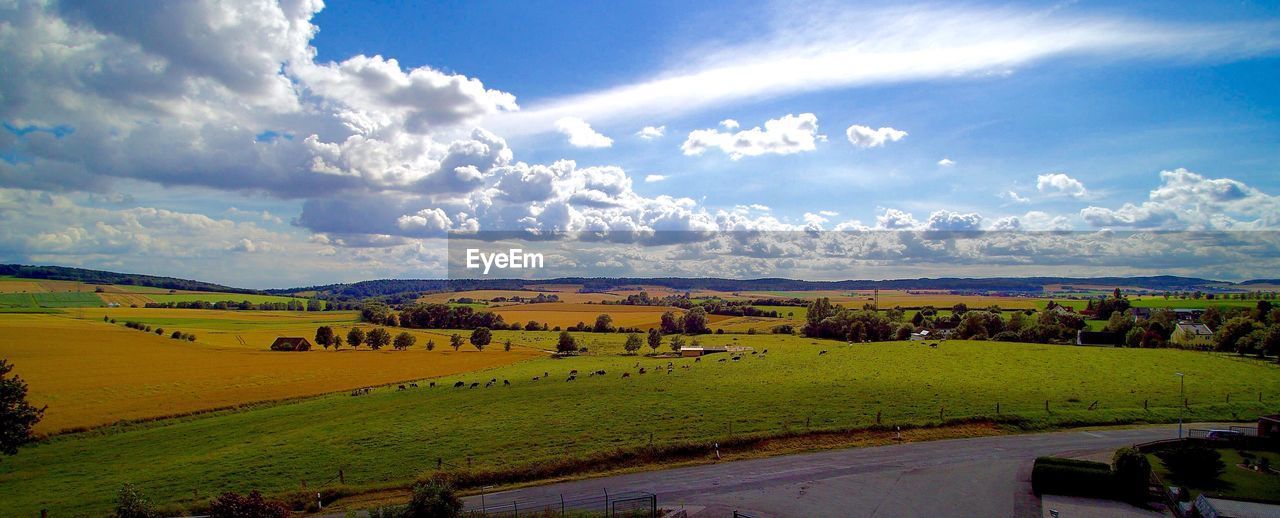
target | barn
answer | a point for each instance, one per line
(286, 343)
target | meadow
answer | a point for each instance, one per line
(91, 373)
(389, 438)
(568, 314)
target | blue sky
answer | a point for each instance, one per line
(1033, 116)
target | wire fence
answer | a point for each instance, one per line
(631, 504)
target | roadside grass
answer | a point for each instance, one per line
(390, 438)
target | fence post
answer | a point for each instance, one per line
(342, 477)
(940, 410)
(877, 417)
(1046, 405)
(997, 408)
(1144, 404)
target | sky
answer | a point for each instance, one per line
(273, 144)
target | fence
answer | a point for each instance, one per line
(631, 504)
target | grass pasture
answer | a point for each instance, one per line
(565, 314)
(92, 373)
(389, 438)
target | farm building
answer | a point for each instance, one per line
(1269, 426)
(1188, 333)
(922, 335)
(285, 343)
(690, 352)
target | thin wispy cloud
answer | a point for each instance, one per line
(888, 46)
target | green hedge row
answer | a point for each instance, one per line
(1072, 477)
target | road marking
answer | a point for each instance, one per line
(1091, 434)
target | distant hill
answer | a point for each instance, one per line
(62, 273)
(392, 287)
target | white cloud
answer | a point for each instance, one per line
(783, 136)
(1186, 199)
(730, 124)
(652, 132)
(580, 133)
(946, 162)
(651, 178)
(865, 137)
(1059, 183)
(954, 221)
(814, 49)
(829, 213)
(1013, 196)
(894, 219)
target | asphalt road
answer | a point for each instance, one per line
(987, 476)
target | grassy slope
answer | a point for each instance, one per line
(391, 437)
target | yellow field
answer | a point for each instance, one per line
(92, 373)
(571, 297)
(8, 286)
(564, 315)
(891, 298)
(125, 299)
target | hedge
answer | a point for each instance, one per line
(1060, 476)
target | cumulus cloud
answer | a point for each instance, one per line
(1060, 184)
(580, 133)
(652, 132)
(783, 136)
(894, 219)
(865, 137)
(946, 220)
(946, 162)
(651, 178)
(1186, 199)
(1013, 196)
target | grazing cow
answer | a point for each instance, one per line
(736, 358)
(669, 364)
(934, 345)
(493, 380)
(536, 378)
(573, 372)
(413, 385)
(753, 353)
(401, 387)
(642, 371)
(546, 374)
(766, 351)
(822, 352)
(600, 372)
(571, 378)
(626, 374)
(698, 359)
(722, 360)
(506, 383)
(489, 384)
(476, 384)
(433, 385)
(459, 384)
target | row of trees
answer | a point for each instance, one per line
(378, 337)
(291, 305)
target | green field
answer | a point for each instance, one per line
(49, 300)
(1160, 302)
(388, 438)
(1235, 482)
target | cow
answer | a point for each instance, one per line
(573, 372)
(753, 353)
(571, 378)
(401, 387)
(433, 385)
(506, 383)
(722, 360)
(736, 358)
(698, 359)
(476, 384)
(536, 378)
(766, 351)
(626, 374)
(489, 384)
(822, 352)
(642, 371)
(459, 384)
(600, 372)
(413, 385)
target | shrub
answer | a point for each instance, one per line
(1072, 477)
(131, 504)
(190, 337)
(160, 331)
(233, 505)
(434, 499)
(1192, 464)
(1132, 473)
(177, 335)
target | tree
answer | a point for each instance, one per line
(604, 324)
(480, 337)
(324, 336)
(506, 345)
(337, 342)
(633, 343)
(1119, 323)
(1193, 465)
(17, 416)
(1132, 473)
(404, 340)
(435, 499)
(355, 337)
(131, 504)
(566, 343)
(431, 345)
(378, 338)
(676, 343)
(233, 505)
(671, 323)
(1225, 337)
(455, 341)
(695, 321)
(655, 339)
(1271, 341)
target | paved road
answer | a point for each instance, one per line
(988, 476)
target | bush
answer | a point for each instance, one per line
(1132, 473)
(434, 499)
(233, 505)
(1192, 464)
(1072, 477)
(131, 504)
